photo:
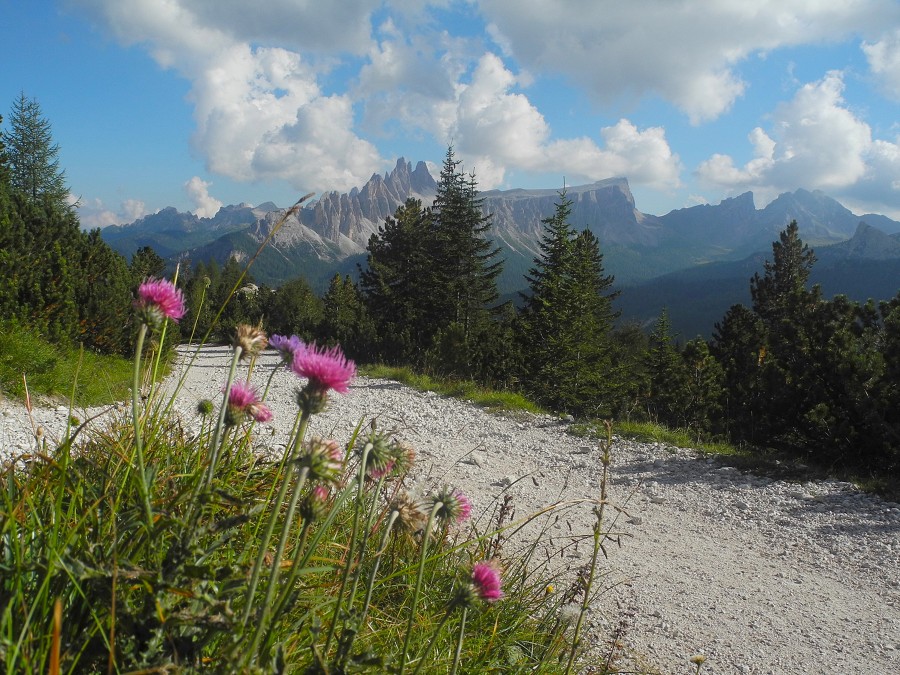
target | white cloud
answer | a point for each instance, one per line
(259, 109)
(93, 213)
(205, 205)
(494, 130)
(815, 142)
(685, 52)
(884, 61)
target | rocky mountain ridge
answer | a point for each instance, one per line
(336, 227)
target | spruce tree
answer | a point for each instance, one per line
(567, 319)
(394, 285)
(344, 319)
(463, 277)
(32, 155)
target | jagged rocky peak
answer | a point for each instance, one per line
(357, 215)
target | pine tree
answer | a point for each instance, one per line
(33, 156)
(146, 263)
(344, 318)
(739, 345)
(463, 276)
(668, 375)
(567, 319)
(394, 285)
(785, 306)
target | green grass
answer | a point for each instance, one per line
(142, 552)
(492, 400)
(51, 370)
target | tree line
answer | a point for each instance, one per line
(794, 370)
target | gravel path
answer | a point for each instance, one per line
(759, 575)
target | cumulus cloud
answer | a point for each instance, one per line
(815, 141)
(93, 213)
(259, 109)
(685, 52)
(495, 128)
(205, 205)
(884, 60)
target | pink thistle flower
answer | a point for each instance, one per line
(486, 581)
(375, 473)
(243, 399)
(314, 503)
(323, 458)
(325, 368)
(159, 299)
(452, 505)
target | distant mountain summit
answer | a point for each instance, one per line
(331, 233)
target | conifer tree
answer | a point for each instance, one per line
(394, 285)
(786, 307)
(668, 376)
(739, 345)
(463, 277)
(32, 155)
(146, 263)
(567, 319)
(344, 319)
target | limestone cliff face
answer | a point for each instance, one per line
(606, 208)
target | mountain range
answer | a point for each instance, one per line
(653, 258)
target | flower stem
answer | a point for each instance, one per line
(217, 434)
(266, 609)
(270, 528)
(138, 446)
(418, 589)
(459, 642)
(351, 550)
(433, 639)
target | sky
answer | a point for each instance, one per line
(202, 103)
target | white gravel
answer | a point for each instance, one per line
(758, 575)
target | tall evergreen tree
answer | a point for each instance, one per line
(739, 345)
(146, 263)
(567, 319)
(786, 306)
(463, 276)
(668, 376)
(394, 285)
(344, 318)
(33, 156)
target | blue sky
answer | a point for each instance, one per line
(199, 103)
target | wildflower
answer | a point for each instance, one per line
(404, 457)
(486, 581)
(325, 368)
(380, 456)
(158, 300)
(452, 505)
(410, 517)
(569, 613)
(251, 339)
(323, 458)
(484, 585)
(314, 502)
(286, 346)
(243, 400)
(205, 407)
(698, 659)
